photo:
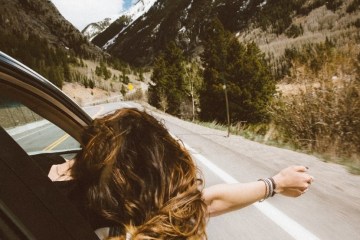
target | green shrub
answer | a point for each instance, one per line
(333, 5)
(294, 31)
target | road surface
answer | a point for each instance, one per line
(329, 210)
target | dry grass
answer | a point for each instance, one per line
(84, 96)
(12, 116)
(317, 112)
(318, 25)
(324, 120)
(109, 89)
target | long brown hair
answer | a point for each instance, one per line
(141, 178)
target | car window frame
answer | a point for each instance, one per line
(22, 84)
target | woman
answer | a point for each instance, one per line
(133, 177)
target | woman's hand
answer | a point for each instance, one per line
(293, 181)
(222, 198)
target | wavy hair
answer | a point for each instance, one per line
(139, 177)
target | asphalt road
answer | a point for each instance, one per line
(329, 210)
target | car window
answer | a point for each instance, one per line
(32, 132)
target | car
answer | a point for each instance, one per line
(36, 118)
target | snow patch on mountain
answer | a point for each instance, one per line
(93, 29)
(245, 5)
(135, 12)
(263, 3)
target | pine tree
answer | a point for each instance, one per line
(141, 75)
(106, 73)
(252, 85)
(67, 72)
(212, 100)
(245, 73)
(91, 83)
(124, 78)
(168, 79)
(158, 79)
(123, 90)
(98, 71)
(55, 75)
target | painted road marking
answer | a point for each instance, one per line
(289, 225)
(29, 134)
(66, 136)
(56, 143)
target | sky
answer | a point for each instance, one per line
(82, 12)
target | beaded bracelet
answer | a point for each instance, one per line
(274, 186)
(270, 187)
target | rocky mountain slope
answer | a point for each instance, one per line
(94, 29)
(263, 21)
(106, 37)
(22, 18)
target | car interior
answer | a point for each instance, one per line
(31, 207)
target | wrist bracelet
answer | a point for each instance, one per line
(266, 190)
(270, 187)
(274, 185)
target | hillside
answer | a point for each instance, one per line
(339, 24)
(87, 87)
(36, 34)
(93, 29)
(268, 23)
(149, 34)
(42, 19)
(106, 37)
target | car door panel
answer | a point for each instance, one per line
(30, 200)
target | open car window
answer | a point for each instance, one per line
(36, 117)
(31, 131)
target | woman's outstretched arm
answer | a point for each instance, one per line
(222, 198)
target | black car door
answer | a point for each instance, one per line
(30, 206)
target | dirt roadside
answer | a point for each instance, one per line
(86, 96)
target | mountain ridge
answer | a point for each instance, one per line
(184, 21)
(116, 24)
(93, 29)
(42, 18)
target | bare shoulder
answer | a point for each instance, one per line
(61, 172)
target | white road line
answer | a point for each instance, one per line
(29, 134)
(289, 225)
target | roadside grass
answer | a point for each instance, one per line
(267, 134)
(352, 167)
(16, 115)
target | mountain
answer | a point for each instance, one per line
(262, 21)
(118, 23)
(149, 33)
(36, 34)
(20, 19)
(93, 29)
